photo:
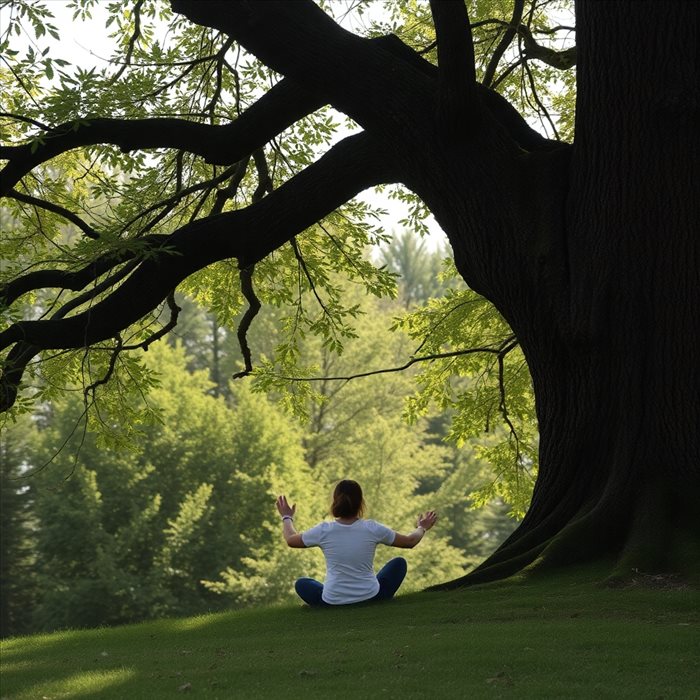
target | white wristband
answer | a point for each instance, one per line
(287, 517)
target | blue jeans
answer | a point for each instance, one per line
(390, 577)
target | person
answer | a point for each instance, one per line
(348, 544)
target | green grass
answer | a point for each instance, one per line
(547, 638)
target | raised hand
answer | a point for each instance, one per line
(283, 507)
(428, 520)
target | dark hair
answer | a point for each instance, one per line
(347, 500)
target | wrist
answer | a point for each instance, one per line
(287, 517)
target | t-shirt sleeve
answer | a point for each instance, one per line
(312, 537)
(384, 534)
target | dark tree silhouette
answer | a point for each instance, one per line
(589, 250)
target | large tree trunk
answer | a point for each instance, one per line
(612, 345)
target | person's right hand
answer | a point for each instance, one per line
(283, 507)
(428, 520)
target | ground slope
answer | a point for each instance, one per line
(563, 638)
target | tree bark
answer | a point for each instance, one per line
(610, 344)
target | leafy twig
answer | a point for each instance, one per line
(132, 40)
(401, 368)
(56, 209)
(91, 388)
(172, 322)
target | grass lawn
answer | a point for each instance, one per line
(542, 638)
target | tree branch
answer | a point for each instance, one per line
(56, 209)
(228, 192)
(246, 274)
(358, 76)
(78, 279)
(562, 60)
(312, 285)
(26, 120)
(164, 330)
(168, 204)
(220, 58)
(95, 291)
(400, 368)
(132, 40)
(13, 368)
(251, 312)
(248, 234)
(514, 124)
(455, 49)
(498, 106)
(277, 109)
(502, 397)
(504, 43)
(264, 181)
(540, 106)
(91, 388)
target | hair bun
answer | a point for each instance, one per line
(347, 500)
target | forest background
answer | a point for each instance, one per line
(152, 495)
(101, 528)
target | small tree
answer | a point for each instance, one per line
(124, 535)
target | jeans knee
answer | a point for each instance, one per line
(300, 583)
(401, 564)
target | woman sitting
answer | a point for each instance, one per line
(348, 544)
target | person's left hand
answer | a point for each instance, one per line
(428, 520)
(283, 507)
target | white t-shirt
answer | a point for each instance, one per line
(349, 552)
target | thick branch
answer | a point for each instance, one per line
(249, 234)
(281, 106)
(12, 370)
(504, 43)
(455, 49)
(563, 60)
(513, 123)
(22, 353)
(358, 76)
(498, 106)
(78, 279)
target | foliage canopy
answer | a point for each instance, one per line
(90, 198)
